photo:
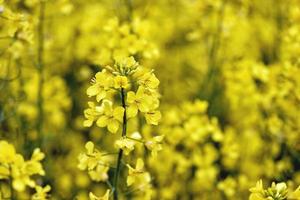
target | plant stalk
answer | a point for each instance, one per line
(12, 194)
(120, 154)
(40, 68)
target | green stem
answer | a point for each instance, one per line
(40, 67)
(120, 154)
(109, 154)
(137, 140)
(12, 195)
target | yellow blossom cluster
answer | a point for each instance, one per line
(276, 191)
(19, 172)
(139, 99)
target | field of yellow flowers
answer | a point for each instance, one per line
(149, 99)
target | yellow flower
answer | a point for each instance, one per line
(275, 192)
(41, 193)
(21, 178)
(4, 172)
(139, 101)
(149, 81)
(33, 166)
(37, 155)
(126, 144)
(154, 145)
(14, 166)
(99, 173)
(228, 186)
(153, 117)
(126, 65)
(90, 159)
(91, 114)
(112, 117)
(295, 195)
(129, 62)
(94, 162)
(104, 197)
(101, 84)
(137, 175)
(7, 152)
(258, 188)
(121, 82)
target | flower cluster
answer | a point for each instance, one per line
(122, 39)
(94, 162)
(125, 74)
(277, 191)
(191, 137)
(19, 172)
(138, 88)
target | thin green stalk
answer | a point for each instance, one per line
(12, 194)
(40, 67)
(137, 140)
(120, 154)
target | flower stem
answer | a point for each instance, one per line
(120, 154)
(137, 140)
(12, 195)
(40, 68)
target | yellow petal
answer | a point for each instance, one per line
(139, 164)
(89, 147)
(92, 90)
(159, 138)
(132, 110)
(93, 197)
(130, 180)
(101, 95)
(37, 155)
(140, 92)
(19, 185)
(118, 113)
(4, 172)
(130, 97)
(88, 123)
(121, 82)
(295, 195)
(154, 82)
(153, 117)
(144, 105)
(102, 121)
(113, 126)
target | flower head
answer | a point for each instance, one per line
(111, 117)
(126, 144)
(7, 152)
(93, 161)
(138, 175)
(101, 84)
(275, 192)
(154, 145)
(41, 193)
